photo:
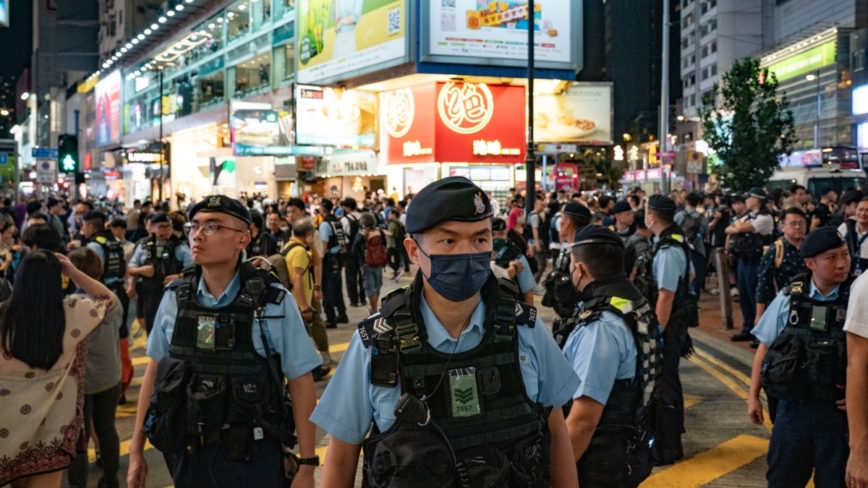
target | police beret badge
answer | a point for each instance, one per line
(480, 205)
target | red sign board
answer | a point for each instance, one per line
(454, 122)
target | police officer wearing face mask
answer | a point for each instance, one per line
(459, 384)
(614, 345)
(560, 294)
(227, 341)
(509, 258)
(802, 360)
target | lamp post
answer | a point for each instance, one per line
(530, 158)
(811, 77)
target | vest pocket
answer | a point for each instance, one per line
(783, 368)
(416, 458)
(822, 364)
(206, 396)
(247, 396)
(166, 420)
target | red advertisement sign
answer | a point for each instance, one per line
(454, 122)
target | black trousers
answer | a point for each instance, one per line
(152, 294)
(395, 259)
(670, 411)
(355, 280)
(332, 288)
(99, 407)
(120, 290)
(208, 467)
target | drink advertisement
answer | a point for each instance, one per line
(579, 113)
(335, 117)
(253, 129)
(108, 109)
(336, 37)
(498, 29)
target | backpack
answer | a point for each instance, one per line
(691, 226)
(354, 228)
(278, 266)
(375, 250)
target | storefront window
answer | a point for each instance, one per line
(260, 11)
(284, 62)
(252, 75)
(210, 89)
(238, 19)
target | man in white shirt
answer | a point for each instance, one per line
(855, 232)
(856, 327)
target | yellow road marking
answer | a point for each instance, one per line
(707, 466)
(140, 361)
(691, 400)
(720, 364)
(731, 384)
(339, 347)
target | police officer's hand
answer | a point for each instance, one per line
(857, 467)
(138, 470)
(147, 271)
(755, 411)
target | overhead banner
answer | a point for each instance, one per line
(804, 62)
(108, 109)
(336, 37)
(335, 117)
(498, 30)
(582, 113)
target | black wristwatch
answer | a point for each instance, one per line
(314, 461)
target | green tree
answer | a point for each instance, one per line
(749, 125)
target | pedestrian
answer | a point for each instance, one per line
(505, 255)
(395, 235)
(613, 343)
(227, 324)
(535, 235)
(560, 294)
(508, 425)
(280, 236)
(694, 228)
(855, 232)
(856, 327)
(637, 245)
(334, 253)
(43, 366)
(809, 437)
(370, 247)
(55, 209)
(672, 270)
(748, 234)
(102, 385)
(261, 243)
(822, 215)
(352, 271)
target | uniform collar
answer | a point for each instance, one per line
(206, 298)
(815, 294)
(437, 335)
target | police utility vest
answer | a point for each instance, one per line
(164, 261)
(808, 360)
(115, 265)
(511, 254)
(214, 388)
(619, 454)
(685, 311)
(749, 245)
(463, 420)
(561, 294)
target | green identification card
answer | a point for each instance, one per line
(464, 393)
(205, 336)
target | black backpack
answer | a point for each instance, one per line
(354, 229)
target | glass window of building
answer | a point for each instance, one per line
(284, 62)
(209, 90)
(253, 74)
(238, 19)
(260, 12)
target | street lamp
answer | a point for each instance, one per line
(811, 77)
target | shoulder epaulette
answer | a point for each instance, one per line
(275, 295)
(525, 314)
(393, 301)
(371, 326)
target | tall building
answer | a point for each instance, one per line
(7, 105)
(785, 21)
(121, 20)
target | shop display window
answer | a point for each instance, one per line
(252, 75)
(238, 19)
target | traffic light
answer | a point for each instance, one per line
(67, 153)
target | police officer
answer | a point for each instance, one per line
(111, 252)
(334, 244)
(613, 343)
(624, 224)
(560, 294)
(754, 230)
(157, 261)
(802, 361)
(505, 255)
(672, 272)
(636, 246)
(782, 262)
(214, 350)
(856, 327)
(462, 382)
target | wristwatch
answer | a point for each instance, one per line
(317, 288)
(314, 461)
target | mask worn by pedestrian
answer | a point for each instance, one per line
(115, 265)
(808, 360)
(162, 258)
(457, 277)
(214, 388)
(619, 454)
(748, 246)
(463, 420)
(561, 294)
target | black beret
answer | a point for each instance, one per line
(93, 215)
(621, 206)
(221, 204)
(756, 192)
(662, 203)
(820, 241)
(578, 211)
(498, 224)
(595, 234)
(160, 217)
(449, 199)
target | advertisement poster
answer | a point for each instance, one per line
(581, 113)
(335, 117)
(253, 129)
(4, 13)
(482, 28)
(342, 36)
(108, 109)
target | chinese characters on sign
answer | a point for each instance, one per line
(400, 109)
(482, 147)
(466, 108)
(414, 148)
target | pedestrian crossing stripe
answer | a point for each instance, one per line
(710, 465)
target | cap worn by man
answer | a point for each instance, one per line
(450, 199)
(160, 217)
(662, 203)
(821, 240)
(595, 234)
(578, 210)
(757, 192)
(221, 204)
(621, 206)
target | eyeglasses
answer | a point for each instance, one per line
(209, 228)
(796, 224)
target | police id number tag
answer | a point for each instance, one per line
(206, 334)
(463, 392)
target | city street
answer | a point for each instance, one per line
(721, 447)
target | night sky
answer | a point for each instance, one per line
(16, 41)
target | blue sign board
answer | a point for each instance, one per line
(242, 150)
(4, 158)
(44, 153)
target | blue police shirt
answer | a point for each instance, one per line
(548, 377)
(776, 316)
(326, 231)
(601, 352)
(286, 336)
(669, 266)
(524, 279)
(182, 254)
(95, 247)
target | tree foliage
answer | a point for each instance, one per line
(749, 125)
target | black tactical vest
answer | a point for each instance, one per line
(511, 254)
(808, 360)
(749, 245)
(561, 294)
(233, 395)
(115, 265)
(685, 312)
(476, 426)
(164, 261)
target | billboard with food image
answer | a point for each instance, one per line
(254, 129)
(336, 117)
(574, 112)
